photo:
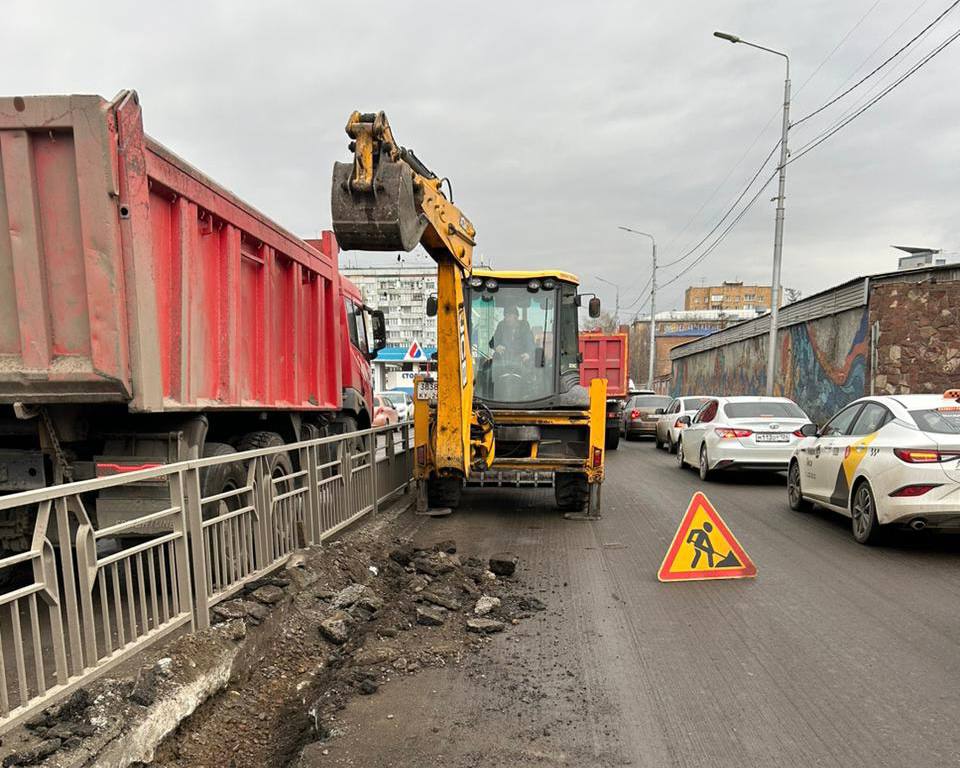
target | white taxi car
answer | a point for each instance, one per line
(744, 432)
(883, 460)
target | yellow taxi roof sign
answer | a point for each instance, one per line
(704, 548)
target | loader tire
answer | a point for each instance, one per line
(612, 440)
(444, 492)
(571, 491)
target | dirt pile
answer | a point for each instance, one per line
(362, 611)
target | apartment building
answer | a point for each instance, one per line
(726, 296)
(401, 292)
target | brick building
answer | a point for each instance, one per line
(673, 328)
(729, 295)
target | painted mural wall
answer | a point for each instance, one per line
(823, 365)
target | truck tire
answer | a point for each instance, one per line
(221, 478)
(612, 439)
(16, 530)
(571, 491)
(444, 492)
(280, 463)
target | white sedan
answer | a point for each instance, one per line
(741, 432)
(669, 426)
(884, 460)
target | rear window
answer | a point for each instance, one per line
(761, 409)
(944, 421)
(651, 401)
(693, 403)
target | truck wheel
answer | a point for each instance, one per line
(444, 492)
(220, 479)
(613, 439)
(279, 464)
(571, 491)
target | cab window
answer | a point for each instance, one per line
(356, 326)
(871, 418)
(841, 423)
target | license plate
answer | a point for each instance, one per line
(427, 390)
(772, 437)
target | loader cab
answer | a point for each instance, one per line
(523, 329)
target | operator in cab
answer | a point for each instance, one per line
(513, 340)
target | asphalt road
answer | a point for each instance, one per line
(835, 655)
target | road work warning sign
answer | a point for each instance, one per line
(704, 548)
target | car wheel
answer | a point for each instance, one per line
(656, 440)
(680, 461)
(863, 515)
(672, 445)
(794, 492)
(704, 463)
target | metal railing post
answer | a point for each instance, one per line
(308, 461)
(372, 438)
(346, 468)
(193, 516)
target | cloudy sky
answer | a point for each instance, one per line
(557, 122)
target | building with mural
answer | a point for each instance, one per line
(890, 333)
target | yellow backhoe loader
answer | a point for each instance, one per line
(506, 407)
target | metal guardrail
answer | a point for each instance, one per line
(93, 597)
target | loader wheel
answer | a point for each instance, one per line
(444, 492)
(571, 491)
(612, 439)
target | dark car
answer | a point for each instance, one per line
(639, 418)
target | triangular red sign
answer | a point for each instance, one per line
(704, 548)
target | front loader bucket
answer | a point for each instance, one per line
(384, 219)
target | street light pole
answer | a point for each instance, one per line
(651, 370)
(616, 312)
(778, 227)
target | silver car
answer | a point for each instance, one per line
(669, 425)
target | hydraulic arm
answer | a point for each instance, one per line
(388, 200)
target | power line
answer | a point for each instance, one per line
(884, 63)
(837, 47)
(882, 43)
(845, 122)
(729, 210)
(720, 238)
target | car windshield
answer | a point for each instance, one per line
(651, 401)
(512, 342)
(764, 409)
(693, 403)
(943, 421)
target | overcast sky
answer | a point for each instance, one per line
(556, 122)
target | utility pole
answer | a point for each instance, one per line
(651, 370)
(781, 198)
(616, 312)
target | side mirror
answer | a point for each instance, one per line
(594, 307)
(431, 306)
(809, 430)
(378, 326)
(658, 412)
(685, 420)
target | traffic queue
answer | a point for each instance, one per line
(883, 461)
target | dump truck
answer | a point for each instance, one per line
(604, 356)
(148, 315)
(506, 404)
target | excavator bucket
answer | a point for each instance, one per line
(383, 219)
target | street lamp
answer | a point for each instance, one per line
(653, 305)
(616, 312)
(778, 230)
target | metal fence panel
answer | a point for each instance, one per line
(84, 598)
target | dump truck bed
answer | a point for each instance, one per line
(128, 275)
(605, 357)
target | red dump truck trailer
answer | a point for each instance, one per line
(148, 315)
(604, 356)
